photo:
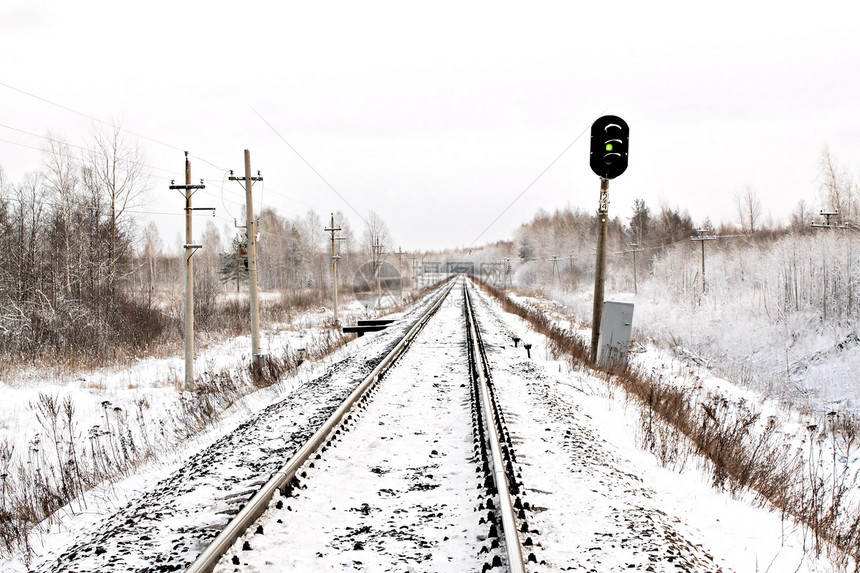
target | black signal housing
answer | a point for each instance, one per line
(609, 144)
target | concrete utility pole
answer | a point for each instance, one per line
(188, 190)
(334, 259)
(634, 248)
(570, 269)
(600, 265)
(555, 272)
(828, 225)
(377, 251)
(414, 281)
(400, 270)
(250, 229)
(702, 236)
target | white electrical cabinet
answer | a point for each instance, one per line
(616, 327)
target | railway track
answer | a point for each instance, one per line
(400, 458)
(165, 526)
(414, 470)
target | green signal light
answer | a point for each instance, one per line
(608, 147)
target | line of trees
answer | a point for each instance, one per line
(67, 243)
(661, 236)
(80, 283)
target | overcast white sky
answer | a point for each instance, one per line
(437, 115)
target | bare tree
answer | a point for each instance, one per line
(152, 246)
(749, 210)
(29, 196)
(375, 230)
(640, 222)
(318, 261)
(801, 217)
(672, 225)
(121, 177)
(62, 181)
(207, 259)
(837, 189)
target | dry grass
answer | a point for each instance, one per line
(65, 460)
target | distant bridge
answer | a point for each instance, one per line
(464, 268)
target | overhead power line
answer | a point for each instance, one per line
(311, 167)
(90, 117)
(24, 145)
(530, 185)
(107, 123)
(66, 143)
(172, 176)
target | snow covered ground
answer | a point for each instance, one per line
(822, 453)
(797, 360)
(143, 400)
(598, 502)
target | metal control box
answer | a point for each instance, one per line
(616, 327)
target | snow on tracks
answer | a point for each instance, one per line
(397, 488)
(588, 509)
(164, 529)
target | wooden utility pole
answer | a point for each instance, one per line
(334, 259)
(250, 229)
(600, 265)
(188, 191)
(702, 236)
(634, 248)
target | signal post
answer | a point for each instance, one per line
(608, 160)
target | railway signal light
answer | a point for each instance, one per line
(609, 135)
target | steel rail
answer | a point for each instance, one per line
(513, 547)
(210, 556)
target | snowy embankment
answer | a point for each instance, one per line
(599, 500)
(98, 437)
(818, 457)
(803, 363)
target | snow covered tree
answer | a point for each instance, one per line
(526, 252)
(640, 222)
